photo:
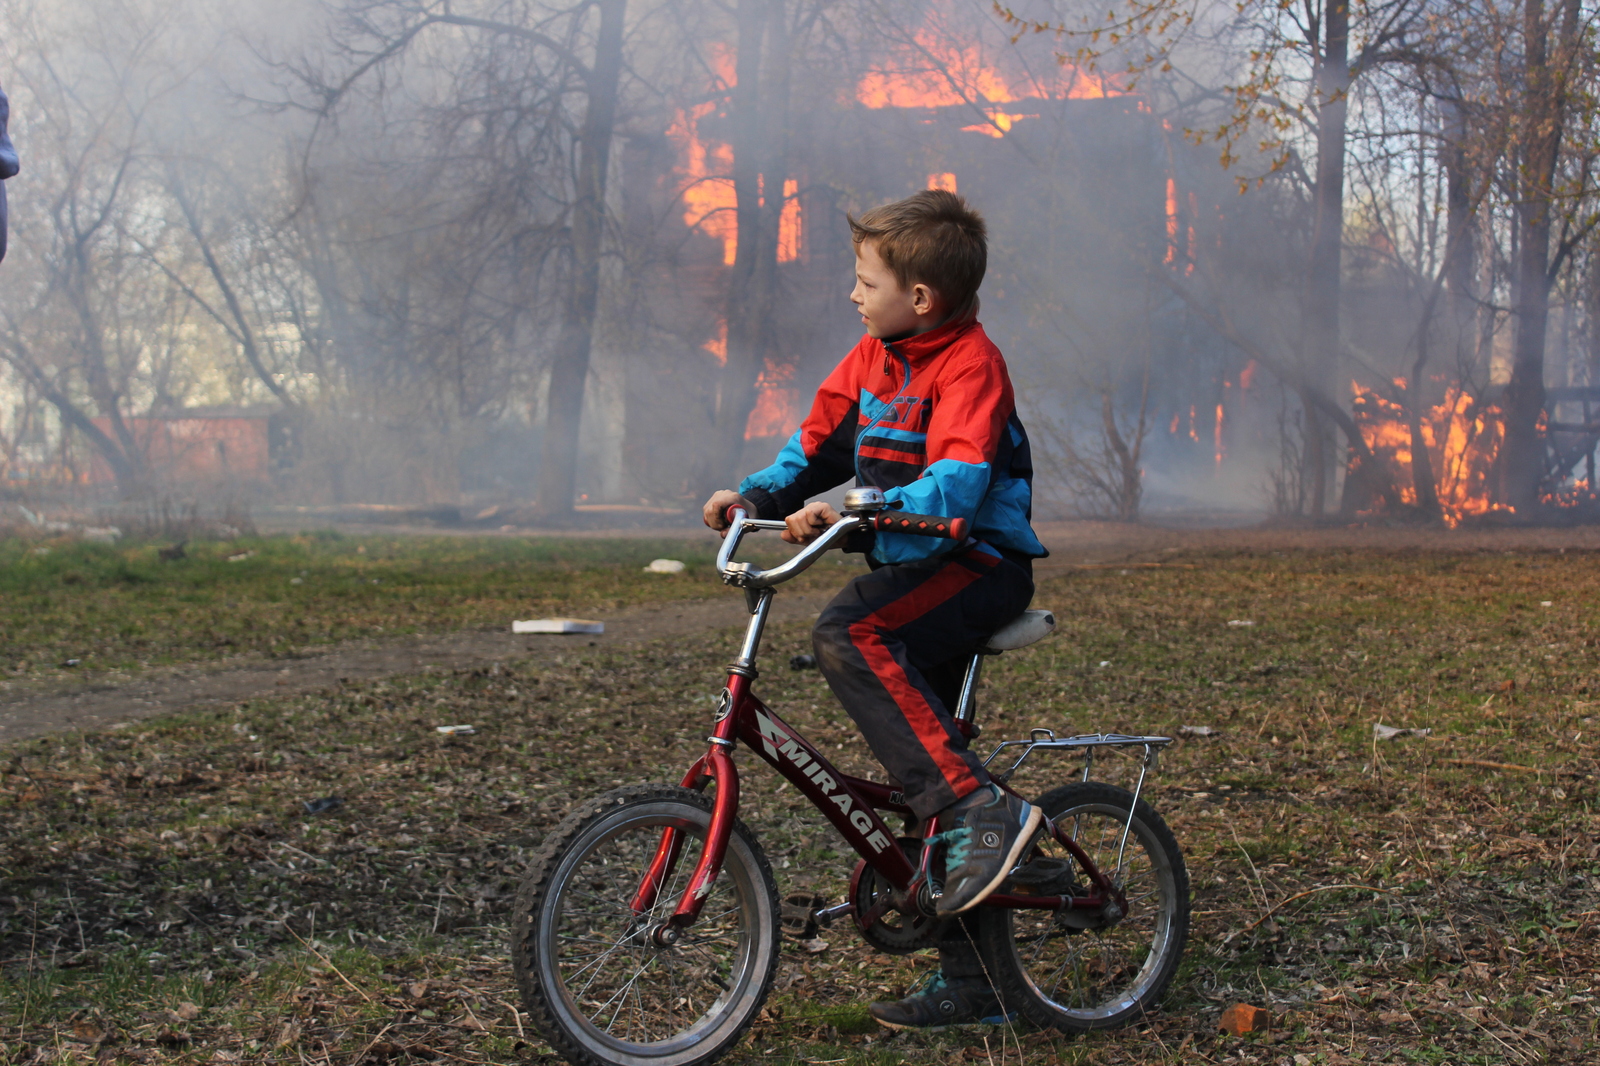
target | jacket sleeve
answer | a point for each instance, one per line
(819, 456)
(964, 437)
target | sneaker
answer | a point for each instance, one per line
(941, 1001)
(989, 831)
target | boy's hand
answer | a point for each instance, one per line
(716, 509)
(808, 523)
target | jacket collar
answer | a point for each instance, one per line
(927, 345)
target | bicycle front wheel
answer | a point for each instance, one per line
(1077, 970)
(593, 980)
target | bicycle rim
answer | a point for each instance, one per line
(616, 993)
(1082, 977)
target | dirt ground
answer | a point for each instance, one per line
(1428, 898)
(38, 708)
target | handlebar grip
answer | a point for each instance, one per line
(727, 515)
(922, 525)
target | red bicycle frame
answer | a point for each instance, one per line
(850, 803)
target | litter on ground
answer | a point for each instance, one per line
(1389, 732)
(557, 625)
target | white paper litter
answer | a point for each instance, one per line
(665, 566)
(1241, 621)
(1198, 731)
(455, 730)
(1389, 732)
(557, 625)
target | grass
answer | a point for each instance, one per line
(166, 899)
(120, 607)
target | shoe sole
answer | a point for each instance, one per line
(1024, 839)
(994, 1019)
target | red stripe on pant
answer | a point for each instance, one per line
(867, 637)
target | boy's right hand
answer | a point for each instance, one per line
(716, 509)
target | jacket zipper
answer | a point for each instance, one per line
(904, 385)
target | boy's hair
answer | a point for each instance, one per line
(931, 237)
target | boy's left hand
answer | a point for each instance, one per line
(809, 523)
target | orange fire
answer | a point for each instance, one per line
(789, 223)
(1462, 439)
(777, 409)
(1217, 437)
(1172, 220)
(945, 181)
(709, 201)
(940, 73)
(718, 345)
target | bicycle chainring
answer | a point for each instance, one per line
(893, 932)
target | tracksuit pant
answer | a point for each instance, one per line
(894, 646)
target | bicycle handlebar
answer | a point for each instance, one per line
(921, 525)
(748, 575)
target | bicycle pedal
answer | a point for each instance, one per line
(798, 915)
(1045, 876)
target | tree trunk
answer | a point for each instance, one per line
(1324, 272)
(569, 370)
(1461, 220)
(1522, 456)
(759, 113)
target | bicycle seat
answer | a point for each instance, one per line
(1027, 628)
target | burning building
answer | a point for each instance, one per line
(1076, 179)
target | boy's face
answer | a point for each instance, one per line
(887, 309)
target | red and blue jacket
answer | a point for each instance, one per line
(932, 421)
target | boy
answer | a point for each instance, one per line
(921, 408)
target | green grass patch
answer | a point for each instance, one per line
(123, 607)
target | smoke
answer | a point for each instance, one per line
(325, 255)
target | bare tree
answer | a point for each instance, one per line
(570, 89)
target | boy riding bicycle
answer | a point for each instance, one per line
(923, 409)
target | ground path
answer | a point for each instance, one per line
(33, 709)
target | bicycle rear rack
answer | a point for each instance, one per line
(1047, 740)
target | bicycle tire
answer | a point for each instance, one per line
(679, 1006)
(1076, 971)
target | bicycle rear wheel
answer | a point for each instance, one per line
(592, 979)
(1078, 970)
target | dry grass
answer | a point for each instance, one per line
(166, 899)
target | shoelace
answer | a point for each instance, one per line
(957, 841)
(930, 985)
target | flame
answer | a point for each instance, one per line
(1173, 429)
(718, 345)
(939, 73)
(945, 181)
(709, 200)
(1462, 439)
(789, 223)
(1247, 376)
(1172, 220)
(1194, 436)
(1217, 437)
(776, 413)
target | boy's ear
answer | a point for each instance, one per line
(924, 301)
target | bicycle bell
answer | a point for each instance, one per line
(864, 499)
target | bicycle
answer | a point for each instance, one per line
(647, 931)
